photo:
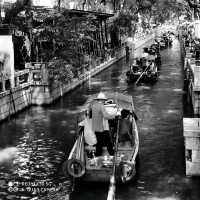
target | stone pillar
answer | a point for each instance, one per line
(17, 81)
(3, 85)
(197, 76)
(44, 73)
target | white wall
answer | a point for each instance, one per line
(7, 56)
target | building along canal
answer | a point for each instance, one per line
(36, 142)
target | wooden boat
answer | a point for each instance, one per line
(165, 41)
(82, 164)
(162, 43)
(154, 50)
(168, 39)
(146, 72)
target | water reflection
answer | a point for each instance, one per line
(36, 156)
(8, 154)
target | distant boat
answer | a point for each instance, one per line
(82, 163)
(165, 40)
(143, 72)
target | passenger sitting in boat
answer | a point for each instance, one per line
(125, 129)
(134, 67)
(134, 62)
(152, 67)
(138, 62)
(143, 62)
(145, 53)
(99, 113)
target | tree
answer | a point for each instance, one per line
(167, 9)
(67, 33)
(16, 8)
(127, 13)
(150, 11)
(195, 5)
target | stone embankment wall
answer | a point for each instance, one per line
(16, 99)
(43, 94)
(28, 91)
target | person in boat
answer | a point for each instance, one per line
(125, 129)
(138, 62)
(99, 114)
(145, 53)
(134, 66)
(144, 57)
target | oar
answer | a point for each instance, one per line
(142, 74)
(112, 186)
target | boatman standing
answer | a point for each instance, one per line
(99, 114)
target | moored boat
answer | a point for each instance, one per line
(82, 162)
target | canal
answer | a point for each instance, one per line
(35, 143)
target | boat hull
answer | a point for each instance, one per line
(131, 78)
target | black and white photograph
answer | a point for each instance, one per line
(99, 99)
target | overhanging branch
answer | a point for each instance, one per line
(192, 4)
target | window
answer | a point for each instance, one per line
(7, 85)
(188, 155)
(1, 87)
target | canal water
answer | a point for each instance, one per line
(35, 143)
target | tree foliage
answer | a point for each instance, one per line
(68, 34)
(12, 12)
(128, 11)
(151, 11)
